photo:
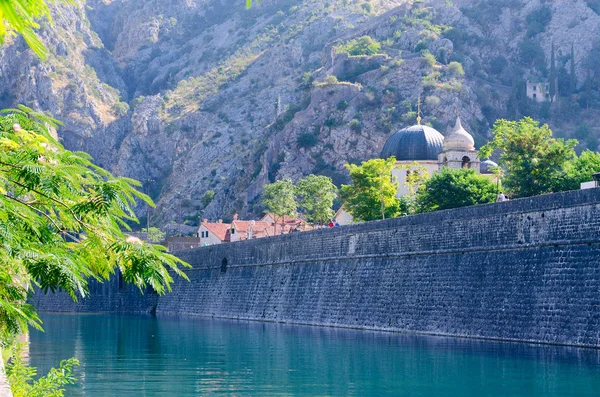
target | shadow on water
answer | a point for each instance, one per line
(182, 356)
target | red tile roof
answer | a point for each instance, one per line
(218, 229)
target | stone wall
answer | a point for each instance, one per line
(523, 270)
(112, 296)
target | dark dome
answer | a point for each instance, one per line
(486, 167)
(418, 142)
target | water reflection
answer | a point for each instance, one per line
(168, 356)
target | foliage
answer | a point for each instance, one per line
(342, 105)
(207, 198)
(432, 102)
(534, 161)
(454, 188)
(22, 378)
(307, 77)
(416, 176)
(365, 45)
(61, 221)
(580, 170)
(155, 235)
(355, 125)
(316, 195)
(538, 19)
(279, 198)
(331, 79)
(552, 76)
(456, 69)
(19, 16)
(531, 53)
(306, 140)
(429, 58)
(120, 108)
(372, 194)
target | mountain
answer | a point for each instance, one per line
(196, 96)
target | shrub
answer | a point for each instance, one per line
(306, 140)
(538, 20)
(342, 105)
(355, 126)
(498, 64)
(432, 102)
(331, 79)
(429, 58)
(307, 78)
(330, 122)
(456, 69)
(120, 108)
(367, 7)
(364, 45)
(531, 53)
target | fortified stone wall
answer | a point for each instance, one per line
(523, 270)
(112, 296)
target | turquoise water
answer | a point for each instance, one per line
(165, 356)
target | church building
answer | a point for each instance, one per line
(422, 146)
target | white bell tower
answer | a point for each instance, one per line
(459, 150)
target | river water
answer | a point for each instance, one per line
(181, 356)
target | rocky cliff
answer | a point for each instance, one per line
(206, 95)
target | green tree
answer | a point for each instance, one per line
(552, 75)
(456, 69)
(534, 161)
(207, 198)
(155, 235)
(25, 383)
(454, 188)
(365, 45)
(279, 198)
(372, 194)
(573, 76)
(61, 222)
(316, 195)
(580, 170)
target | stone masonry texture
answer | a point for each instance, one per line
(526, 270)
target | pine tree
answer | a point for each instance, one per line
(552, 75)
(573, 82)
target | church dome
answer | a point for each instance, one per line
(487, 166)
(418, 142)
(459, 138)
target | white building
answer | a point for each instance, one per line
(213, 233)
(539, 91)
(426, 147)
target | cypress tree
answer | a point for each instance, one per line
(573, 82)
(552, 75)
(588, 89)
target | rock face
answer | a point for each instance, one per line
(198, 96)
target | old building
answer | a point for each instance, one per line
(539, 91)
(419, 147)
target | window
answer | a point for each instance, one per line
(224, 265)
(232, 231)
(535, 95)
(547, 87)
(535, 88)
(466, 162)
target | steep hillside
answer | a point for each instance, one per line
(206, 95)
